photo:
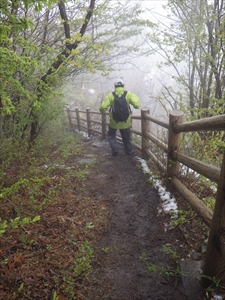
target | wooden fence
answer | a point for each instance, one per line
(96, 123)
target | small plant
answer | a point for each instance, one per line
(5, 261)
(90, 225)
(171, 252)
(20, 289)
(163, 271)
(14, 188)
(69, 286)
(49, 247)
(15, 223)
(32, 184)
(105, 250)
(73, 242)
(210, 202)
(80, 174)
(23, 238)
(180, 217)
(150, 267)
(83, 262)
(3, 227)
(214, 285)
(54, 297)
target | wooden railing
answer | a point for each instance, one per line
(90, 120)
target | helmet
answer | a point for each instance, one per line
(119, 82)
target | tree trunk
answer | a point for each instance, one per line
(61, 57)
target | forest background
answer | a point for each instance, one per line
(56, 54)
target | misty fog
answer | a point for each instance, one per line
(140, 74)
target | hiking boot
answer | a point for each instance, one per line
(130, 153)
(114, 153)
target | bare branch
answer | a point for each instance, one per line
(62, 10)
(66, 52)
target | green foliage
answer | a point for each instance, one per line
(105, 250)
(32, 43)
(10, 84)
(69, 146)
(19, 52)
(16, 223)
(180, 217)
(34, 183)
(171, 253)
(210, 203)
(167, 271)
(194, 57)
(55, 297)
(20, 289)
(32, 171)
(214, 285)
(207, 147)
(115, 248)
(204, 146)
(34, 178)
(83, 262)
(90, 225)
(175, 271)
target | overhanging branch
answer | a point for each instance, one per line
(66, 52)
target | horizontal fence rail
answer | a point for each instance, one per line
(163, 124)
(215, 123)
(85, 119)
(96, 123)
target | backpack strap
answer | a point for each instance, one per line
(114, 95)
(124, 94)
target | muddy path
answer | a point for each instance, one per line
(133, 227)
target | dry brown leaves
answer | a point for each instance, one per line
(37, 260)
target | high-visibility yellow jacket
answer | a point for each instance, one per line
(109, 101)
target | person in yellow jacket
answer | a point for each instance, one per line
(123, 126)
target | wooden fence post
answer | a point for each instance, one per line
(88, 121)
(70, 121)
(175, 116)
(78, 118)
(144, 127)
(214, 264)
(104, 126)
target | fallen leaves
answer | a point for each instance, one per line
(15, 262)
(37, 260)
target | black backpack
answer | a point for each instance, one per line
(120, 111)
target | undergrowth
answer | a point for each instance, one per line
(174, 270)
(47, 222)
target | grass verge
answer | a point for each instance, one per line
(48, 221)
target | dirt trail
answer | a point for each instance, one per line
(133, 227)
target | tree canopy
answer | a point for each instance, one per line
(44, 42)
(191, 42)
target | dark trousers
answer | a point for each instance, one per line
(125, 133)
